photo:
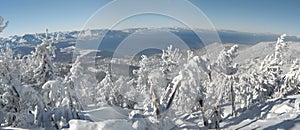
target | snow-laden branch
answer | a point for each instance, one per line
(1, 23)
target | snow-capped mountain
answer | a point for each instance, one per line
(185, 34)
(24, 44)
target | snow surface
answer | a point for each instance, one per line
(105, 113)
(261, 50)
(116, 124)
(279, 113)
(105, 118)
(275, 114)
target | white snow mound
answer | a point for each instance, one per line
(105, 125)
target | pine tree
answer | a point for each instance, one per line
(84, 80)
(39, 67)
(158, 82)
(271, 71)
(291, 81)
(225, 67)
(9, 87)
(192, 90)
(105, 91)
(170, 61)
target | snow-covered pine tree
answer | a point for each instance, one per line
(44, 54)
(270, 69)
(142, 84)
(170, 62)
(245, 88)
(192, 91)
(116, 92)
(32, 102)
(125, 92)
(291, 80)
(212, 111)
(142, 97)
(84, 80)
(9, 88)
(105, 90)
(71, 96)
(248, 85)
(39, 65)
(51, 102)
(226, 69)
(158, 83)
(280, 48)
(61, 103)
(224, 63)
(169, 69)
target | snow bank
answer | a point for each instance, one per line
(282, 109)
(106, 113)
(118, 124)
(105, 118)
(277, 113)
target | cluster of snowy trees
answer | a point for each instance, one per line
(32, 92)
(176, 82)
(173, 83)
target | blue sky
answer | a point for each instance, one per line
(261, 16)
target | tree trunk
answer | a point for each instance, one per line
(217, 114)
(205, 121)
(209, 77)
(232, 100)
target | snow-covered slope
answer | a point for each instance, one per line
(263, 49)
(280, 113)
(105, 118)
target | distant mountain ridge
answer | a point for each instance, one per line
(226, 36)
(24, 44)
